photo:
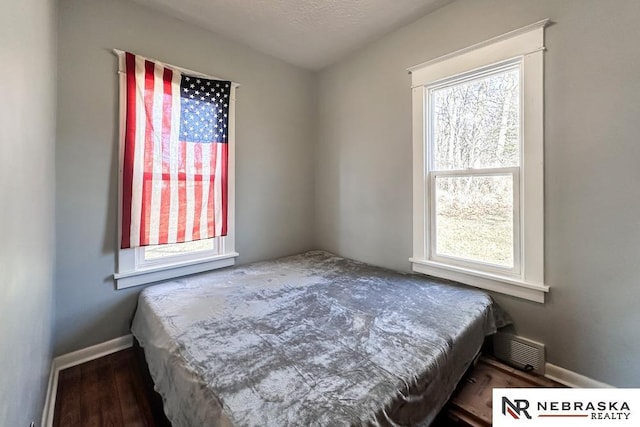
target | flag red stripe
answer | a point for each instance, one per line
(129, 150)
(182, 192)
(211, 214)
(165, 201)
(197, 167)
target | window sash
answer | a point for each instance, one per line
(431, 231)
(514, 63)
(217, 248)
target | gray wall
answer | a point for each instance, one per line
(27, 132)
(590, 322)
(274, 133)
(359, 112)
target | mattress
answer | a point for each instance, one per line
(309, 340)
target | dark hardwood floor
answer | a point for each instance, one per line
(114, 390)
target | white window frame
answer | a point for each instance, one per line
(132, 268)
(526, 279)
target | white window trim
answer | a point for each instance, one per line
(526, 43)
(131, 270)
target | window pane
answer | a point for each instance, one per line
(474, 218)
(160, 251)
(476, 123)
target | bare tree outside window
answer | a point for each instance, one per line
(475, 133)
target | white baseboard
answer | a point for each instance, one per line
(94, 352)
(76, 358)
(571, 379)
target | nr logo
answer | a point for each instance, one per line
(516, 409)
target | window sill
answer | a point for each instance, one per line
(154, 274)
(491, 282)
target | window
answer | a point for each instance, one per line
(160, 253)
(478, 165)
(474, 168)
(176, 175)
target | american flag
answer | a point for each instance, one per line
(174, 166)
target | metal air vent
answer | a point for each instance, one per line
(520, 352)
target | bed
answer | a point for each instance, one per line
(309, 340)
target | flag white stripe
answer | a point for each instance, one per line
(156, 186)
(217, 191)
(175, 156)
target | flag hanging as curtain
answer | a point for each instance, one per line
(174, 170)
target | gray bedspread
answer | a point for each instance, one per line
(309, 340)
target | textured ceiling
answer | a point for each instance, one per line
(308, 33)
